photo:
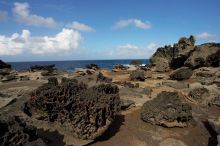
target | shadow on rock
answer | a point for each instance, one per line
(112, 130)
(213, 139)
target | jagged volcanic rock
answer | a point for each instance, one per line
(173, 57)
(86, 112)
(166, 110)
(14, 131)
(185, 53)
(204, 55)
(181, 73)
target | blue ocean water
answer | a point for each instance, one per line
(72, 64)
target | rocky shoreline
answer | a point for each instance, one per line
(175, 100)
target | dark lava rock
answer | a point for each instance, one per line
(102, 78)
(92, 66)
(4, 65)
(42, 67)
(137, 75)
(5, 71)
(167, 110)
(15, 132)
(120, 67)
(181, 73)
(199, 94)
(85, 112)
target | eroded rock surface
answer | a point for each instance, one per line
(167, 110)
(137, 75)
(14, 131)
(86, 112)
(181, 73)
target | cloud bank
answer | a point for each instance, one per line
(80, 26)
(206, 36)
(63, 42)
(22, 14)
(129, 51)
(135, 22)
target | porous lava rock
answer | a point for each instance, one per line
(137, 75)
(85, 112)
(167, 110)
(15, 132)
(181, 73)
(199, 94)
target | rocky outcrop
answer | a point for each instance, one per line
(172, 57)
(204, 55)
(92, 66)
(167, 110)
(4, 65)
(185, 53)
(42, 67)
(181, 73)
(137, 75)
(46, 70)
(14, 131)
(119, 67)
(85, 112)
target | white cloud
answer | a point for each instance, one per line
(136, 22)
(3, 15)
(81, 27)
(206, 36)
(130, 51)
(22, 15)
(65, 41)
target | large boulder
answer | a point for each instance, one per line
(4, 65)
(204, 55)
(14, 131)
(137, 75)
(167, 110)
(181, 73)
(85, 112)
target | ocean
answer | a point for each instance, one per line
(72, 64)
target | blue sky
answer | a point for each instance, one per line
(100, 29)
